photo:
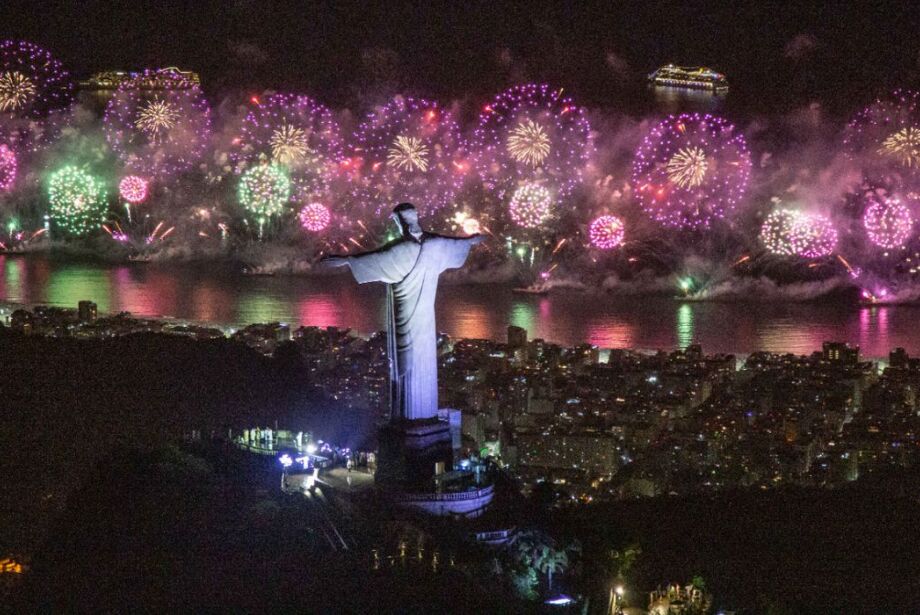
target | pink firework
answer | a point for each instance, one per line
(532, 132)
(606, 232)
(888, 223)
(133, 189)
(407, 150)
(818, 237)
(8, 167)
(315, 217)
(691, 170)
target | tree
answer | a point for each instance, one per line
(524, 582)
(552, 560)
(698, 583)
(539, 552)
(624, 559)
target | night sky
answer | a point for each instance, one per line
(774, 54)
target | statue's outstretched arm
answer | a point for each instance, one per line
(333, 260)
(340, 260)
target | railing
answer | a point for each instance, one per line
(494, 535)
(447, 497)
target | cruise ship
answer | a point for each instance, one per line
(695, 77)
(160, 79)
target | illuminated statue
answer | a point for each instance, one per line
(410, 267)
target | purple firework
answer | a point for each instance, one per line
(690, 170)
(888, 223)
(158, 131)
(407, 150)
(32, 81)
(296, 132)
(8, 167)
(819, 237)
(532, 133)
(886, 135)
(606, 232)
(34, 91)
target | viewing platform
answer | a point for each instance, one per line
(465, 504)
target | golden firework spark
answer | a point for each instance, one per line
(903, 146)
(157, 117)
(687, 168)
(408, 153)
(289, 145)
(529, 143)
(15, 90)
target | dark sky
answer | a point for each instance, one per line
(772, 53)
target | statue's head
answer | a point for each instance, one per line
(406, 216)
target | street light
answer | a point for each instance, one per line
(616, 600)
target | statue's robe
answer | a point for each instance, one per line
(410, 268)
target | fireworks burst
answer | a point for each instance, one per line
(296, 132)
(530, 205)
(16, 90)
(407, 150)
(77, 199)
(133, 189)
(158, 132)
(32, 82)
(8, 167)
(606, 232)
(532, 132)
(687, 167)
(903, 146)
(779, 232)
(888, 223)
(156, 118)
(690, 170)
(289, 146)
(408, 153)
(529, 143)
(787, 232)
(820, 237)
(314, 217)
(471, 226)
(886, 134)
(264, 191)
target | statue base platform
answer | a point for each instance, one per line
(410, 452)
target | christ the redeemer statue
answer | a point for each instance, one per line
(410, 266)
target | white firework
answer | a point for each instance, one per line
(408, 153)
(157, 117)
(687, 168)
(289, 146)
(15, 90)
(903, 146)
(528, 143)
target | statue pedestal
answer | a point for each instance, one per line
(410, 450)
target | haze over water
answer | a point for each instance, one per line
(219, 294)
